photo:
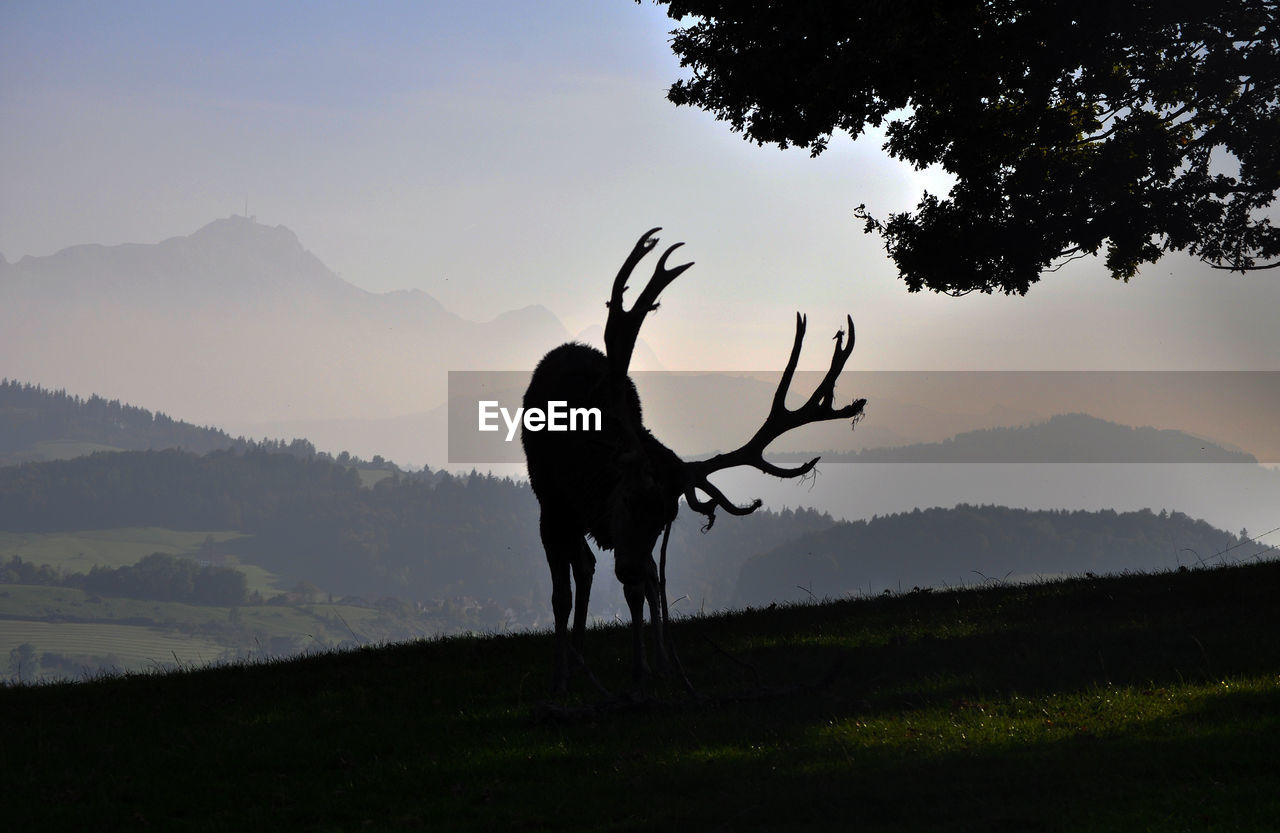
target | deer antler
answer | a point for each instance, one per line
(623, 325)
(780, 420)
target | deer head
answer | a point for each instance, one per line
(621, 331)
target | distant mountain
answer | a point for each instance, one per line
(238, 321)
(973, 544)
(1065, 438)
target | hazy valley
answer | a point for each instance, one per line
(320, 489)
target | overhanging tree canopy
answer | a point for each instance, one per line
(1130, 127)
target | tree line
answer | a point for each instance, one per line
(968, 545)
(157, 577)
(413, 537)
(31, 414)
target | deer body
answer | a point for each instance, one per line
(620, 485)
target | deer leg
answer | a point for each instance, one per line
(584, 567)
(561, 602)
(635, 595)
(559, 557)
(653, 593)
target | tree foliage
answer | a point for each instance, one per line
(168, 578)
(1132, 128)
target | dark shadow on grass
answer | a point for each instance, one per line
(1139, 630)
(440, 735)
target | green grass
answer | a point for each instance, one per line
(63, 449)
(79, 552)
(140, 634)
(260, 580)
(59, 604)
(136, 647)
(370, 477)
(318, 623)
(1130, 703)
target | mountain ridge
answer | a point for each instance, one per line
(967, 545)
(238, 321)
(1062, 438)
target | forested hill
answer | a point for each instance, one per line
(1065, 438)
(40, 424)
(970, 544)
(309, 519)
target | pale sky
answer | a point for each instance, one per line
(501, 154)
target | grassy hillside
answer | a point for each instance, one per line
(1130, 703)
(115, 646)
(81, 550)
(71, 632)
(74, 630)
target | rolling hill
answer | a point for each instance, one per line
(1064, 438)
(968, 545)
(38, 424)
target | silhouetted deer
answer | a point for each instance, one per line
(619, 484)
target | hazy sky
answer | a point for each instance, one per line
(500, 154)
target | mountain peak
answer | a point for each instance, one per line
(240, 229)
(238, 320)
(245, 240)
